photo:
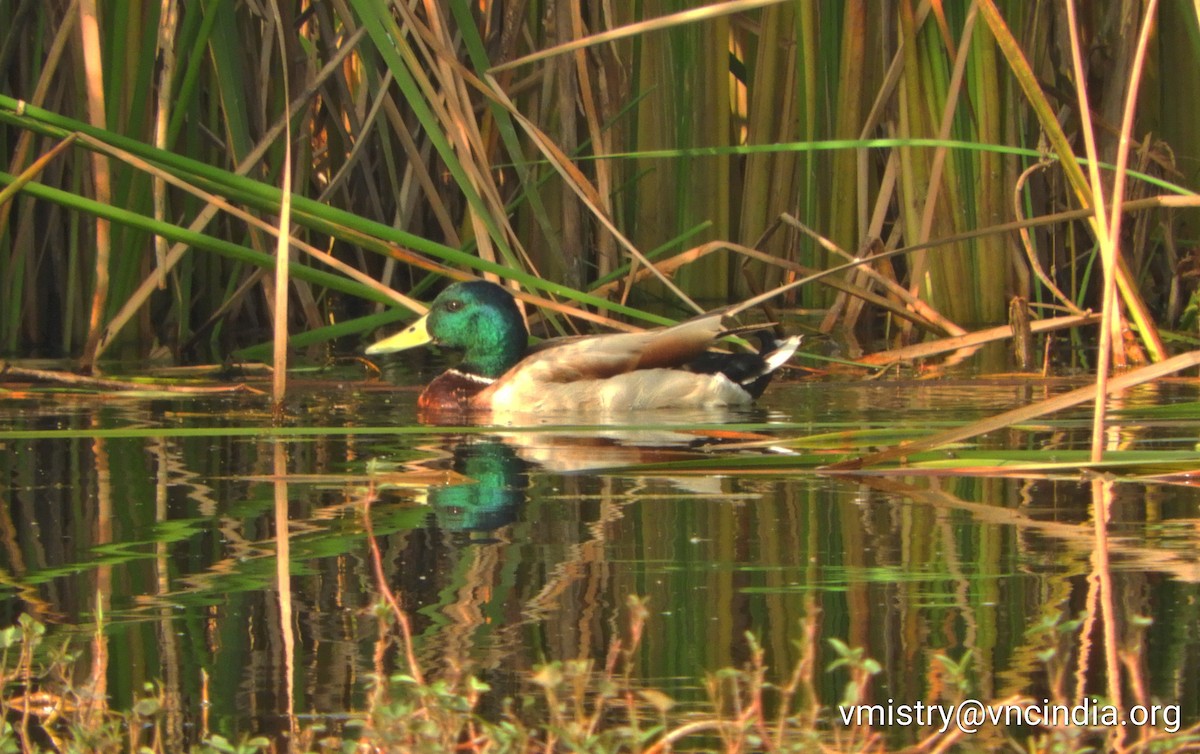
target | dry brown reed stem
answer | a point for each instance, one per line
(1026, 244)
(606, 253)
(1024, 413)
(572, 176)
(219, 202)
(922, 308)
(1101, 577)
(95, 698)
(216, 202)
(89, 28)
(916, 315)
(102, 383)
(142, 294)
(1113, 231)
(670, 265)
(416, 163)
(1108, 319)
(579, 184)
(54, 56)
(667, 742)
(1109, 251)
(1048, 120)
(641, 27)
(282, 249)
(283, 579)
(379, 689)
(410, 654)
(167, 22)
(1078, 214)
(971, 340)
(451, 104)
(417, 260)
(1108, 244)
(953, 92)
(9, 191)
(845, 309)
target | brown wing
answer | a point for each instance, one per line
(677, 345)
(600, 357)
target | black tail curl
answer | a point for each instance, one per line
(753, 371)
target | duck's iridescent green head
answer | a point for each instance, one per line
(478, 317)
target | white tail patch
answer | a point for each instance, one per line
(782, 353)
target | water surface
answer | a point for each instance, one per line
(513, 546)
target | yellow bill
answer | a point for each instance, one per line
(416, 334)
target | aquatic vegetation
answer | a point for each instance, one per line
(933, 179)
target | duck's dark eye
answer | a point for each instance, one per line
(453, 305)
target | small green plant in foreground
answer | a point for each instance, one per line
(42, 710)
(574, 706)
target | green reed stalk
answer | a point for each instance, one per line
(423, 126)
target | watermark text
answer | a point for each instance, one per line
(969, 715)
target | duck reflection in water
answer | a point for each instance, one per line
(492, 494)
(491, 473)
(520, 538)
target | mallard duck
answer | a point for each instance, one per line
(667, 367)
